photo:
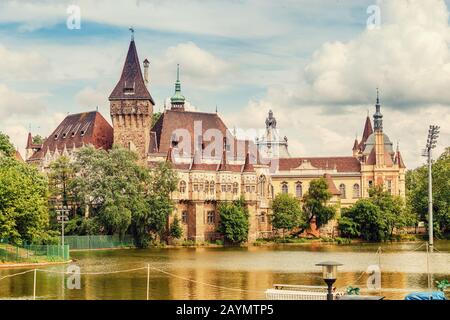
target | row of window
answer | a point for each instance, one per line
(342, 189)
(210, 217)
(209, 187)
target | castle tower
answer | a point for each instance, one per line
(178, 99)
(379, 136)
(131, 106)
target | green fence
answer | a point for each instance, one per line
(33, 253)
(98, 242)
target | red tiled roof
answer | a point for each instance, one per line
(131, 84)
(170, 121)
(77, 130)
(399, 160)
(248, 166)
(372, 158)
(342, 164)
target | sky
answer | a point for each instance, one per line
(315, 63)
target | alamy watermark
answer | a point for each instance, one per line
(73, 21)
(374, 19)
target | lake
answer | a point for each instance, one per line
(230, 273)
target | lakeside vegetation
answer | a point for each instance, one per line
(110, 193)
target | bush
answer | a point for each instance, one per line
(234, 224)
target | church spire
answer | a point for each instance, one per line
(178, 99)
(378, 117)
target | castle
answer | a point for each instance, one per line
(214, 165)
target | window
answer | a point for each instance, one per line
(235, 188)
(184, 217)
(223, 187)
(262, 218)
(211, 187)
(200, 187)
(182, 186)
(262, 185)
(211, 217)
(206, 187)
(298, 190)
(247, 189)
(389, 186)
(284, 187)
(356, 193)
(195, 187)
(253, 189)
(370, 184)
(228, 187)
(342, 191)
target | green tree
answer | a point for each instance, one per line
(315, 203)
(112, 183)
(61, 175)
(375, 218)
(234, 224)
(23, 203)
(37, 139)
(417, 193)
(176, 231)
(150, 221)
(6, 147)
(286, 212)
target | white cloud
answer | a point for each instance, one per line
(408, 58)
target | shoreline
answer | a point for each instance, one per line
(28, 265)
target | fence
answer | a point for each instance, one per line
(98, 242)
(33, 253)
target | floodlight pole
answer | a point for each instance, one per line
(430, 202)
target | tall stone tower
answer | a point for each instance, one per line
(131, 107)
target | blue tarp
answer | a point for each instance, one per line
(426, 296)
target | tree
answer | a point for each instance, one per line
(176, 231)
(315, 203)
(23, 203)
(375, 218)
(37, 139)
(417, 193)
(234, 224)
(6, 147)
(112, 183)
(61, 175)
(287, 213)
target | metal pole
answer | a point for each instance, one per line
(148, 281)
(34, 285)
(430, 202)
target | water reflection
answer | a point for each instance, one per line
(231, 273)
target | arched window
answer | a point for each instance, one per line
(262, 185)
(356, 192)
(211, 187)
(298, 190)
(284, 187)
(342, 190)
(182, 187)
(235, 188)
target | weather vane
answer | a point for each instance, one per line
(132, 33)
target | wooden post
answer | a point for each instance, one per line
(34, 285)
(148, 281)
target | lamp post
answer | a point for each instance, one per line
(329, 274)
(433, 134)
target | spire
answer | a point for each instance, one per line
(223, 166)
(399, 158)
(178, 99)
(29, 141)
(378, 117)
(131, 84)
(355, 145)
(248, 167)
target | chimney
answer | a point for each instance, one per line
(146, 64)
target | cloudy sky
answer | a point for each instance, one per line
(315, 63)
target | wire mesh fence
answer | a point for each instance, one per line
(33, 253)
(98, 242)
